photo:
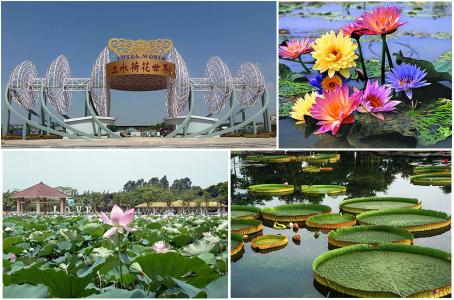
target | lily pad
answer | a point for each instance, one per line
(323, 189)
(437, 179)
(293, 212)
(432, 169)
(388, 270)
(245, 226)
(289, 88)
(330, 221)
(244, 212)
(414, 220)
(428, 124)
(236, 243)
(269, 241)
(369, 234)
(197, 248)
(272, 188)
(360, 205)
(444, 63)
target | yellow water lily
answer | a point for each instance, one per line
(334, 53)
(302, 107)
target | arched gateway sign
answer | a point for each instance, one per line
(136, 65)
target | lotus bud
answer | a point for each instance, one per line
(290, 225)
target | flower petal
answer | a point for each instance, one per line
(126, 218)
(110, 232)
(116, 213)
(105, 219)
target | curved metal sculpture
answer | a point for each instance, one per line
(19, 84)
(253, 84)
(221, 85)
(178, 89)
(56, 75)
(98, 85)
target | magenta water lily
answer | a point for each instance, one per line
(405, 78)
(376, 99)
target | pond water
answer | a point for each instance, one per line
(288, 272)
(427, 35)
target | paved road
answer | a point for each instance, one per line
(141, 142)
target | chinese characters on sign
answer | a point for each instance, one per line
(141, 66)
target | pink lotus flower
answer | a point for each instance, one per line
(12, 256)
(335, 108)
(160, 247)
(294, 48)
(375, 99)
(353, 30)
(119, 220)
(381, 20)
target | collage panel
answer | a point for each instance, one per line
(146, 74)
(313, 224)
(365, 74)
(115, 224)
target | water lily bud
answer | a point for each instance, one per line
(296, 238)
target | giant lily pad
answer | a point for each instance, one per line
(236, 244)
(428, 124)
(330, 221)
(323, 189)
(270, 158)
(388, 270)
(272, 189)
(245, 226)
(269, 241)
(244, 212)
(293, 212)
(414, 220)
(369, 234)
(432, 169)
(438, 179)
(360, 205)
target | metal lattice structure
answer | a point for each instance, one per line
(178, 89)
(20, 85)
(218, 86)
(56, 75)
(250, 77)
(98, 85)
(221, 85)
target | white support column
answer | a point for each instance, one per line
(38, 206)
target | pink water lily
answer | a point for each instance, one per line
(160, 247)
(119, 220)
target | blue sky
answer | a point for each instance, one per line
(235, 31)
(98, 170)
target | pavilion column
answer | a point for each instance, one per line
(62, 206)
(38, 206)
(18, 205)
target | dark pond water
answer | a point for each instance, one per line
(426, 36)
(288, 272)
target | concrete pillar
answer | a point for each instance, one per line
(55, 208)
(18, 206)
(38, 206)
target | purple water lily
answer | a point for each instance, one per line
(375, 99)
(406, 77)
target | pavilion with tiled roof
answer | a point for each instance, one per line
(42, 195)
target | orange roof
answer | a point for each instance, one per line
(39, 190)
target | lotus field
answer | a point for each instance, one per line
(117, 255)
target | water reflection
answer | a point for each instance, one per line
(287, 272)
